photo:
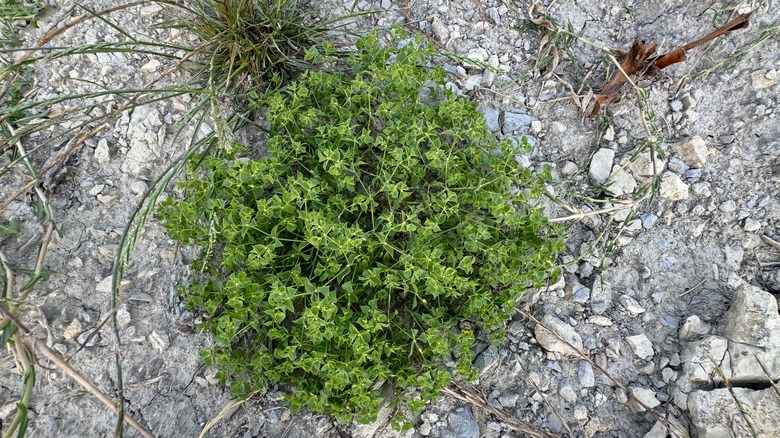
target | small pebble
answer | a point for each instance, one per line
(641, 346)
(648, 220)
(676, 105)
(728, 206)
(752, 225)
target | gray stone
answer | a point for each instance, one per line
(585, 374)
(550, 342)
(462, 424)
(648, 220)
(487, 358)
(516, 123)
(568, 394)
(601, 165)
(641, 346)
(676, 105)
(677, 165)
(600, 296)
(509, 400)
(581, 294)
(631, 305)
(714, 413)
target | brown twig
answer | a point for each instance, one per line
(75, 375)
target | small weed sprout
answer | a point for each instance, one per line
(381, 233)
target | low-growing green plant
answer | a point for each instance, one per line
(379, 230)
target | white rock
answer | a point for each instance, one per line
(752, 324)
(621, 182)
(763, 79)
(646, 396)
(550, 342)
(601, 165)
(609, 134)
(159, 341)
(752, 225)
(642, 167)
(102, 154)
(667, 374)
(641, 346)
(151, 66)
(601, 321)
(150, 10)
(697, 360)
(631, 305)
(479, 54)
(673, 188)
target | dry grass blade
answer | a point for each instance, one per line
(768, 377)
(771, 242)
(740, 407)
(224, 412)
(75, 375)
(472, 398)
(672, 428)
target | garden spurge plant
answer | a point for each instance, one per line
(381, 231)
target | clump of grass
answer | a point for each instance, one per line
(253, 45)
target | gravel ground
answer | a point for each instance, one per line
(687, 281)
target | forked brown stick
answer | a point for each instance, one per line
(639, 61)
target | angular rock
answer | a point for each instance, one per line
(697, 361)
(646, 396)
(714, 413)
(642, 168)
(601, 165)
(693, 152)
(752, 324)
(693, 327)
(491, 118)
(440, 30)
(641, 346)
(550, 342)
(586, 375)
(763, 79)
(673, 188)
(462, 424)
(631, 305)
(621, 182)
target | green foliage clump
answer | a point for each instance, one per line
(381, 231)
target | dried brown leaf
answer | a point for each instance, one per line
(640, 62)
